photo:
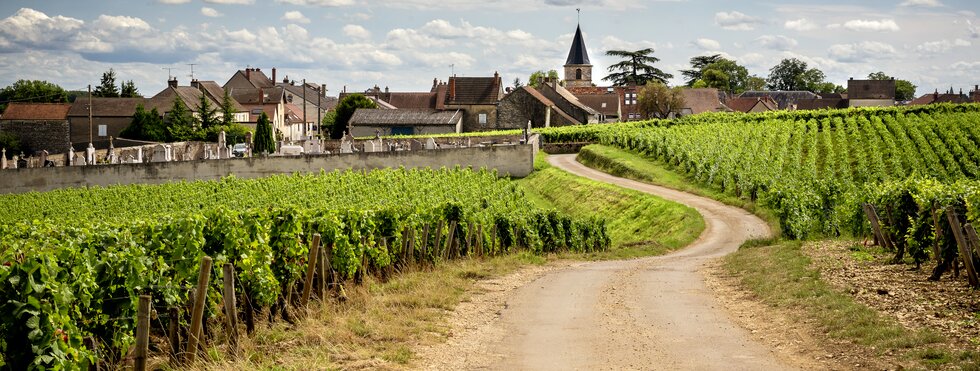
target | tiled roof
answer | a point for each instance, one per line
(537, 95)
(404, 117)
(871, 89)
(783, 98)
(595, 101)
(248, 96)
(578, 54)
(191, 96)
(106, 107)
(474, 90)
(36, 111)
(702, 100)
(217, 94)
(940, 98)
(747, 104)
(425, 100)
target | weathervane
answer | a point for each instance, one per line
(579, 15)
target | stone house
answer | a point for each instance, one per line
(109, 117)
(567, 102)
(870, 93)
(527, 104)
(38, 126)
(477, 98)
(369, 122)
(702, 100)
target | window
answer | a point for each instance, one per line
(603, 104)
(578, 73)
(256, 111)
(402, 130)
(483, 119)
(102, 130)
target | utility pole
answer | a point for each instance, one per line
(90, 136)
(319, 110)
(305, 125)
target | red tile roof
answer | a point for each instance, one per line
(36, 111)
(702, 100)
(474, 90)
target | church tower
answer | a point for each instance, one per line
(578, 70)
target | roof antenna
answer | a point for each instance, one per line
(192, 69)
(170, 74)
(452, 69)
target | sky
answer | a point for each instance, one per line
(405, 44)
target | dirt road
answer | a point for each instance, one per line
(651, 313)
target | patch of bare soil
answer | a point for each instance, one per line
(796, 339)
(948, 306)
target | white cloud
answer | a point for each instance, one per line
(295, 16)
(615, 43)
(437, 60)
(173, 1)
(707, 44)
(330, 3)
(973, 30)
(801, 24)
(231, 2)
(404, 38)
(776, 42)
(861, 52)
(922, 3)
(356, 32)
(210, 12)
(869, 25)
(736, 21)
(941, 46)
(33, 29)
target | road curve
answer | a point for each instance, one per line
(651, 313)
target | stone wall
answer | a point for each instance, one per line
(508, 160)
(36, 136)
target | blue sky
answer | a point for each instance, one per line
(405, 44)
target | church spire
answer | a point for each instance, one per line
(578, 69)
(577, 54)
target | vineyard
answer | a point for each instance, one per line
(917, 167)
(76, 262)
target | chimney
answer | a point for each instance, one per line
(323, 90)
(248, 74)
(261, 99)
(273, 75)
(172, 82)
(195, 84)
(434, 83)
(452, 88)
(935, 95)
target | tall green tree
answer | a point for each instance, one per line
(755, 83)
(107, 89)
(345, 110)
(146, 125)
(904, 89)
(227, 110)
(264, 142)
(180, 123)
(698, 64)
(656, 100)
(534, 80)
(207, 114)
(725, 75)
(34, 91)
(635, 68)
(128, 90)
(794, 74)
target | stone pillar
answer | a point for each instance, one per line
(3, 159)
(70, 157)
(139, 155)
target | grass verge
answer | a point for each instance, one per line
(779, 274)
(631, 165)
(639, 224)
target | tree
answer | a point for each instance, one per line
(828, 87)
(146, 126)
(904, 89)
(34, 91)
(698, 64)
(725, 75)
(517, 83)
(128, 90)
(636, 68)
(535, 80)
(657, 100)
(227, 110)
(107, 89)
(207, 114)
(180, 123)
(755, 83)
(345, 110)
(264, 142)
(793, 74)
(10, 143)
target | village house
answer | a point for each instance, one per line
(527, 104)
(110, 116)
(751, 105)
(38, 126)
(311, 101)
(947, 97)
(477, 98)
(701, 100)
(191, 96)
(785, 99)
(257, 93)
(870, 93)
(377, 121)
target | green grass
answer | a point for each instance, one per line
(631, 165)
(639, 224)
(780, 275)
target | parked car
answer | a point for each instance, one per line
(239, 150)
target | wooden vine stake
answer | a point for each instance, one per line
(479, 240)
(869, 210)
(449, 240)
(939, 234)
(493, 239)
(965, 254)
(971, 235)
(197, 316)
(173, 332)
(142, 333)
(231, 309)
(310, 268)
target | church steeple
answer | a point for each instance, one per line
(578, 69)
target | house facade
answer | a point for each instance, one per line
(38, 126)
(527, 105)
(110, 116)
(477, 98)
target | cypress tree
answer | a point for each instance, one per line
(264, 143)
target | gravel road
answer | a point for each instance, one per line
(650, 313)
